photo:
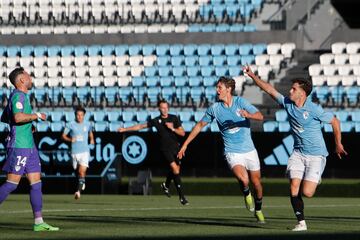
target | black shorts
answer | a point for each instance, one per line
(171, 156)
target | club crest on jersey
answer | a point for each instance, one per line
(238, 112)
(306, 115)
(17, 168)
(19, 105)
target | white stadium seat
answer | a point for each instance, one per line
(338, 48)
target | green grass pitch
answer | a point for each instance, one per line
(159, 217)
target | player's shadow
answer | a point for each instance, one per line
(14, 227)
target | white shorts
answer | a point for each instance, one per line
(306, 167)
(249, 160)
(80, 159)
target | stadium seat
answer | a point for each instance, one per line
(270, 126)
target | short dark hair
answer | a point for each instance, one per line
(305, 84)
(14, 73)
(80, 109)
(228, 82)
(162, 101)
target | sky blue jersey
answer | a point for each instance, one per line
(234, 129)
(305, 125)
(79, 131)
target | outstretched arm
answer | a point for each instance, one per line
(254, 116)
(25, 118)
(194, 132)
(337, 134)
(136, 127)
(266, 87)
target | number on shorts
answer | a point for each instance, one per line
(21, 161)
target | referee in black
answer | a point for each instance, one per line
(168, 127)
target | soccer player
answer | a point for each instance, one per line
(79, 133)
(307, 162)
(22, 155)
(168, 127)
(232, 115)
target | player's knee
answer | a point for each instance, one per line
(308, 193)
(36, 186)
(10, 186)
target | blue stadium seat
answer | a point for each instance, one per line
(99, 116)
(346, 126)
(221, 71)
(352, 94)
(142, 116)
(342, 115)
(207, 71)
(208, 28)
(100, 126)
(180, 81)
(259, 48)
(337, 94)
(162, 49)
(94, 50)
(148, 49)
(42, 126)
(135, 49)
(110, 95)
(163, 60)
(357, 127)
(191, 60)
(327, 127)
(68, 94)
(129, 124)
(205, 60)
(232, 11)
(204, 49)
(190, 49)
(196, 93)
(151, 71)
(69, 116)
(40, 51)
(107, 50)
(322, 93)
(219, 11)
(210, 94)
(97, 93)
(217, 49)
(284, 126)
(222, 28)
(235, 71)
(125, 93)
(53, 51)
(214, 127)
(289, 143)
(176, 49)
(165, 71)
(182, 94)
(13, 51)
(152, 81)
(257, 3)
(249, 28)
(153, 94)
(231, 49)
(4, 127)
(205, 11)
(219, 60)
(80, 50)
(2, 50)
(114, 126)
(139, 94)
(167, 93)
(195, 81)
(178, 71)
(233, 60)
(246, 10)
(57, 126)
(138, 81)
(281, 115)
(270, 126)
(56, 116)
(166, 81)
(26, 51)
(247, 60)
(188, 125)
(209, 81)
(113, 116)
(40, 94)
(128, 116)
(121, 50)
(236, 27)
(355, 116)
(65, 51)
(198, 115)
(185, 116)
(192, 71)
(177, 60)
(194, 28)
(245, 49)
(83, 93)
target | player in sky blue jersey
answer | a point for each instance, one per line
(232, 115)
(79, 133)
(307, 162)
(22, 155)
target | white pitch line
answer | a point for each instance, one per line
(171, 208)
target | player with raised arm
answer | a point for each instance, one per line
(233, 115)
(79, 133)
(168, 128)
(307, 162)
(22, 156)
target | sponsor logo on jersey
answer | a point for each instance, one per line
(19, 105)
